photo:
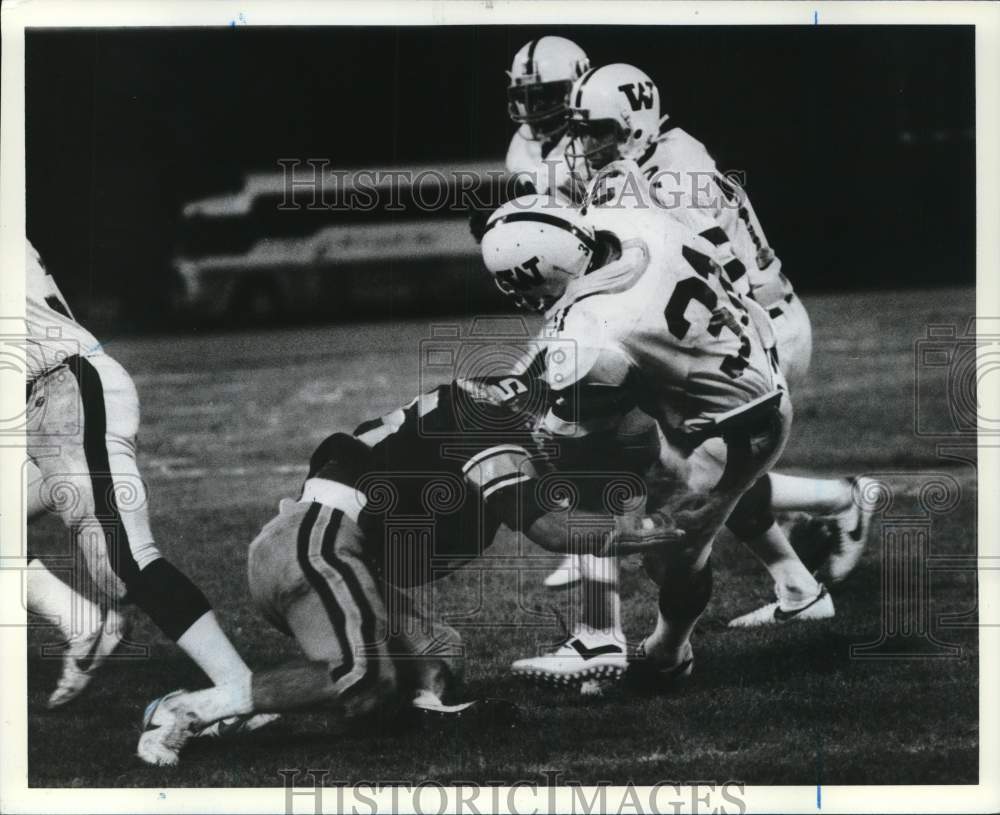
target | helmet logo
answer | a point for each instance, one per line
(640, 94)
(521, 277)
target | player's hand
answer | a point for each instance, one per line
(641, 533)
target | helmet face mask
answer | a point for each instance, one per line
(526, 301)
(593, 145)
(614, 114)
(539, 81)
(540, 105)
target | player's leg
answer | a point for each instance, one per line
(35, 504)
(799, 594)
(839, 499)
(108, 512)
(305, 575)
(428, 654)
(595, 647)
(89, 635)
(707, 484)
(566, 574)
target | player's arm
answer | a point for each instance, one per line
(508, 482)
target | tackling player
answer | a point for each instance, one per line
(406, 499)
(82, 419)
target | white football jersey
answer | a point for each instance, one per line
(53, 332)
(660, 328)
(685, 180)
(543, 165)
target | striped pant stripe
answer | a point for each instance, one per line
(95, 426)
(343, 596)
(326, 595)
(362, 605)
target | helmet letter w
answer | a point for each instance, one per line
(640, 94)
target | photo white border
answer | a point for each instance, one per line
(15, 797)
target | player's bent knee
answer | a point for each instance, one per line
(752, 516)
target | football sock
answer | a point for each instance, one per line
(170, 599)
(601, 599)
(792, 580)
(49, 597)
(181, 611)
(817, 496)
(211, 650)
(683, 598)
(222, 701)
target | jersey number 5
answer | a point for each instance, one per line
(695, 288)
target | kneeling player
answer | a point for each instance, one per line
(407, 499)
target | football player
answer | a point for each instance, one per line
(541, 76)
(615, 115)
(407, 498)
(656, 324)
(539, 80)
(82, 419)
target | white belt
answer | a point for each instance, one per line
(333, 494)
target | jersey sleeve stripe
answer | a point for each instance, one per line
(504, 481)
(510, 450)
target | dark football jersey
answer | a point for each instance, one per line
(441, 475)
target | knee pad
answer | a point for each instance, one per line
(752, 516)
(684, 595)
(340, 458)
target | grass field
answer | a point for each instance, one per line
(229, 421)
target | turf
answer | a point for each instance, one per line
(229, 421)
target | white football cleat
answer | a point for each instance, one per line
(819, 607)
(166, 728)
(84, 655)
(852, 527)
(565, 574)
(588, 654)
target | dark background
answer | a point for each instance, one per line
(857, 142)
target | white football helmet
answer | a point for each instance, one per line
(614, 113)
(534, 246)
(541, 75)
